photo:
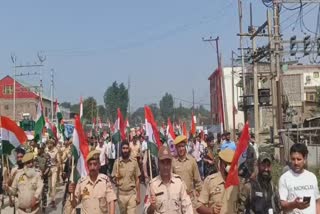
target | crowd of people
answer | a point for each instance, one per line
(187, 176)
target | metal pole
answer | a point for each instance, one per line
(255, 84)
(242, 55)
(14, 91)
(233, 104)
(277, 44)
(52, 95)
(272, 70)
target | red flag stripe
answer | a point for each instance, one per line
(233, 178)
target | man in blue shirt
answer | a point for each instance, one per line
(228, 144)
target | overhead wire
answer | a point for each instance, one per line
(135, 44)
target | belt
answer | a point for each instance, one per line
(28, 210)
(126, 192)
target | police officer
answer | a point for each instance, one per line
(186, 167)
(94, 192)
(28, 184)
(126, 174)
(42, 162)
(210, 156)
(259, 196)
(167, 192)
(214, 198)
(53, 152)
(15, 170)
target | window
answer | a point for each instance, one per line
(315, 74)
(8, 89)
(6, 107)
(311, 97)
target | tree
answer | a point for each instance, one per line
(66, 105)
(89, 109)
(166, 106)
(116, 96)
(75, 108)
(102, 113)
(137, 117)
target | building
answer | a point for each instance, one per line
(27, 99)
(222, 107)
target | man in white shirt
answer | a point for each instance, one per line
(111, 153)
(298, 187)
(102, 147)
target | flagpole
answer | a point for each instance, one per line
(150, 165)
(118, 165)
(72, 176)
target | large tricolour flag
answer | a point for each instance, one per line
(171, 136)
(80, 150)
(40, 122)
(119, 133)
(11, 134)
(152, 131)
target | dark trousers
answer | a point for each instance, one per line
(110, 165)
(45, 191)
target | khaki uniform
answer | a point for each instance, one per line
(128, 173)
(213, 192)
(55, 161)
(187, 169)
(93, 196)
(14, 171)
(135, 149)
(171, 198)
(27, 188)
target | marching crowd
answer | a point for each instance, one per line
(186, 176)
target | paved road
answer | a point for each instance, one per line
(60, 191)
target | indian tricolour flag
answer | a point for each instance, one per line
(60, 121)
(119, 133)
(80, 150)
(40, 122)
(152, 132)
(11, 134)
(171, 136)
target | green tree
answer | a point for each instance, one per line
(102, 113)
(116, 96)
(137, 117)
(75, 108)
(66, 105)
(166, 106)
(89, 109)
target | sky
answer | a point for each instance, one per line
(157, 45)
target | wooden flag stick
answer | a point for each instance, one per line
(72, 176)
(150, 165)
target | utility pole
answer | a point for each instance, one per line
(14, 60)
(222, 88)
(193, 101)
(255, 81)
(129, 84)
(15, 68)
(52, 93)
(242, 56)
(273, 74)
(233, 104)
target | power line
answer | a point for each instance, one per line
(135, 44)
(285, 28)
(191, 102)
